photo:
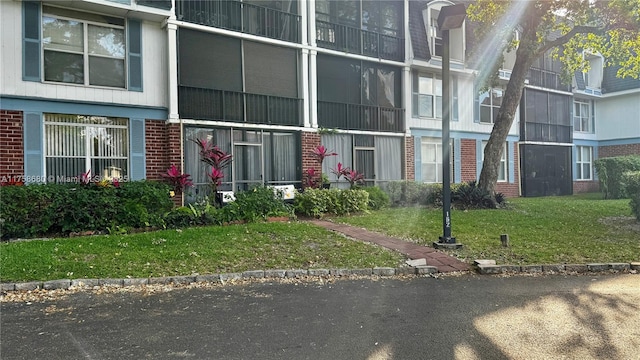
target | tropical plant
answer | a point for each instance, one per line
(178, 181)
(218, 159)
(319, 153)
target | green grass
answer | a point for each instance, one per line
(201, 250)
(569, 229)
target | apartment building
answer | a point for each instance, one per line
(122, 87)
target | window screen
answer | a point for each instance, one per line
(270, 70)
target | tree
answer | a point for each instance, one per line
(559, 28)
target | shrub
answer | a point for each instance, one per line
(632, 181)
(470, 196)
(180, 217)
(378, 199)
(317, 202)
(610, 173)
(48, 209)
(256, 204)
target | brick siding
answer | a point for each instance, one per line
(310, 141)
(162, 149)
(11, 143)
(468, 160)
(410, 158)
(585, 186)
(618, 150)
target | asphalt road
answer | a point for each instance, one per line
(465, 317)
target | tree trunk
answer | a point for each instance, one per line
(525, 55)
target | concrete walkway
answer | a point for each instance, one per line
(442, 261)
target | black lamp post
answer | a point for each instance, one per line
(451, 17)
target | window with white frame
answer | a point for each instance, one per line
(427, 96)
(431, 155)
(582, 116)
(490, 103)
(502, 170)
(584, 160)
(75, 144)
(83, 48)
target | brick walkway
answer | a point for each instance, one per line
(442, 261)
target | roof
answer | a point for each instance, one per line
(418, 31)
(611, 83)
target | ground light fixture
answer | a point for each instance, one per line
(451, 17)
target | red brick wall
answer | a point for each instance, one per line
(410, 157)
(162, 142)
(468, 160)
(11, 143)
(309, 141)
(512, 189)
(618, 150)
(585, 186)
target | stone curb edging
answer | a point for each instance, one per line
(490, 269)
(64, 284)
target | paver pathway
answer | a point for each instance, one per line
(442, 261)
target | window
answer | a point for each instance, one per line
(75, 144)
(584, 157)
(582, 116)
(427, 96)
(490, 103)
(82, 48)
(431, 155)
(435, 35)
(502, 171)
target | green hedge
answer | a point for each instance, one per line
(610, 173)
(632, 181)
(59, 209)
(317, 202)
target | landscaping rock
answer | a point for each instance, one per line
(531, 269)
(340, 272)
(421, 270)
(619, 266)
(182, 279)
(361, 272)
(230, 276)
(111, 282)
(275, 273)
(85, 282)
(159, 280)
(384, 271)
(28, 286)
(56, 284)
(597, 267)
(318, 272)
(296, 273)
(253, 274)
(7, 287)
(213, 278)
(484, 262)
(405, 271)
(556, 268)
(489, 269)
(510, 268)
(635, 266)
(417, 262)
(578, 268)
(135, 282)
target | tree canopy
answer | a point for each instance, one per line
(562, 29)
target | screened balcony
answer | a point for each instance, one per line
(221, 105)
(160, 4)
(548, 133)
(335, 115)
(357, 41)
(546, 79)
(244, 17)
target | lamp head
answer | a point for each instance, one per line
(451, 17)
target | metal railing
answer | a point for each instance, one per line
(357, 41)
(222, 105)
(159, 4)
(242, 17)
(548, 133)
(546, 79)
(360, 117)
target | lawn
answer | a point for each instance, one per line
(200, 250)
(567, 229)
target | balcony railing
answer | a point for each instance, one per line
(357, 41)
(360, 117)
(546, 79)
(548, 133)
(159, 4)
(221, 105)
(242, 17)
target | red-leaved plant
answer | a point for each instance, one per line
(310, 179)
(319, 153)
(353, 177)
(178, 181)
(213, 156)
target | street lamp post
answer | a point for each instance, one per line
(451, 17)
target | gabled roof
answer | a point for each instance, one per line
(418, 31)
(580, 80)
(611, 83)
